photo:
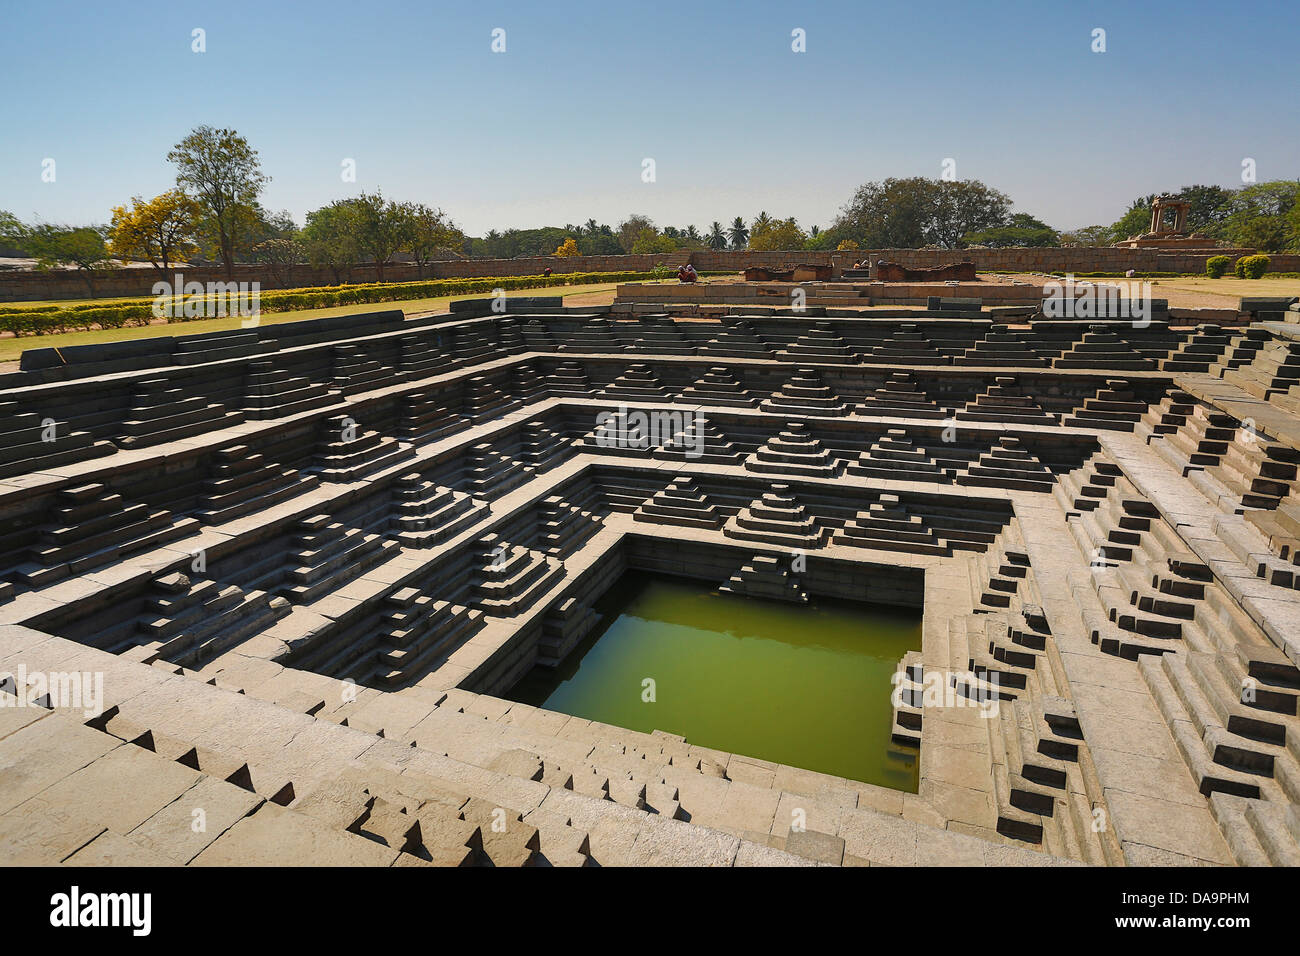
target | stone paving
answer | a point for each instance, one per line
(307, 568)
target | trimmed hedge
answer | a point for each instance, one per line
(1216, 266)
(46, 320)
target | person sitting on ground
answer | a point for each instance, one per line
(691, 274)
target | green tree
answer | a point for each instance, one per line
(429, 232)
(717, 238)
(914, 212)
(772, 235)
(629, 230)
(1021, 229)
(80, 246)
(738, 233)
(223, 173)
(329, 238)
(382, 228)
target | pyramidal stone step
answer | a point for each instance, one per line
(795, 451)
(1100, 347)
(821, 343)
(420, 356)
(638, 383)
(427, 514)
(569, 378)
(355, 371)
(527, 384)
(908, 345)
(894, 455)
(243, 482)
(349, 452)
(805, 394)
(483, 400)
(900, 397)
(681, 503)
(271, 392)
(163, 411)
(1008, 465)
(765, 576)
(889, 526)
(543, 446)
(1004, 401)
(1114, 407)
(661, 336)
(31, 442)
(737, 340)
(697, 439)
(564, 527)
(427, 417)
(1001, 347)
(776, 518)
(719, 386)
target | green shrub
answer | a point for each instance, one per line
(1253, 267)
(1216, 266)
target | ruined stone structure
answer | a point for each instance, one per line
(307, 561)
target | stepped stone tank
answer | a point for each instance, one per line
(356, 535)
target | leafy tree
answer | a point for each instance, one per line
(717, 238)
(648, 241)
(1260, 215)
(161, 230)
(771, 235)
(279, 255)
(11, 231)
(914, 212)
(1020, 230)
(79, 246)
(568, 248)
(428, 231)
(224, 174)
(847, 245)
(738, 233)
(382, 228)
(330, 238)
(630, 229)
(1087, 236)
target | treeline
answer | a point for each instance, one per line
(213, 213)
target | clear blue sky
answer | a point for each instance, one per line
(555, 129)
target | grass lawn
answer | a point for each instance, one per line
(11, 348)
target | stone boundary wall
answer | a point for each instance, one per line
(26, 286)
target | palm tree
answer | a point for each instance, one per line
(739, 234)
(591, 227)
(814, 230)
(692, 234)
(717, 236)
(761, 222)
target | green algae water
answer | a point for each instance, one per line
(804, 685)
